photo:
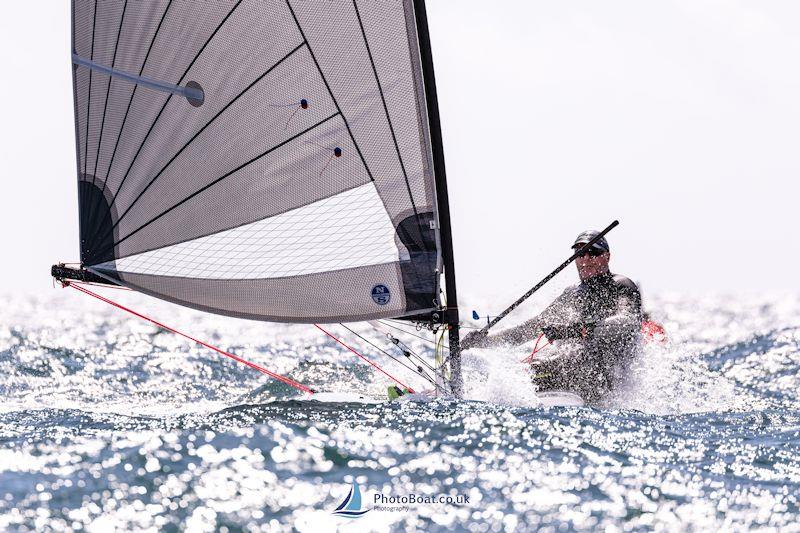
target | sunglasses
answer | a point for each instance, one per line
(593, 252)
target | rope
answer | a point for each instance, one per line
(440, 347)
(365, 359)
(418, 370)
(408, 332)
(536, 349)
(403, 347)
(101, 285)
(261, 369)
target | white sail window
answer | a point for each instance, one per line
(350, 229)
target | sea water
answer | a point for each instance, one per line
(107, 422)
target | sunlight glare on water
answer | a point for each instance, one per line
(108, 423)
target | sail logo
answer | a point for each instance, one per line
(381, 294)
(351, 506)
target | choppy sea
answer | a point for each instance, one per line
(108, 423)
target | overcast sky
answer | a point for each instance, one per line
(679, 118)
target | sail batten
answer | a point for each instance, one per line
(290, 180)
(189, 92)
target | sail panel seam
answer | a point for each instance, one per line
(163, 107)
(127, 111)
(201, 130)
(385, 109)
(278, 213)
(243, 165)
(99, 269)
(248, 315)
(90, 214)
(108, 88)
(133, 94)
(328, 87)
(89, 94)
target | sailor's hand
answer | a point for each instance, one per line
(553, 333)
(571, 331)
(474, 339)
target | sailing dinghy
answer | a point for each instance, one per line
(276, 160)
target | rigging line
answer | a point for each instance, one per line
(386, 110)
(227, 174)
(403, 346)
(461, 324)
(394, 340)
(365, 359)
(440, 341)
(201, 130)
(418, 370)
(163, 107)
(406, 332)
(89, 96)
(92, 284)
(536, 349)
(398, 361)
(127, 111)
(236, 358)
(105, 106)
(440, 354)
(327, 86)
(409, 333)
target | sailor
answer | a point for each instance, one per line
(595, 327)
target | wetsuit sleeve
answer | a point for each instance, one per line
(624, 323)
(516, 335)
(528, 330)
(614, 339)
(629, 300)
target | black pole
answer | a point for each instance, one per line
(547, 278)
(440, 177)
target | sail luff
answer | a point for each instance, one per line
(442, 199)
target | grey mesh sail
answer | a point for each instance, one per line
(262, 159)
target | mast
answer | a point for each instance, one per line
(451, 313)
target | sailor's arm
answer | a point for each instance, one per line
(522, 333)
(516, 335)
(626, 312)
(625, 321)
(627, 316)
(513, 336)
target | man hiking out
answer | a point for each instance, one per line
(595, 327)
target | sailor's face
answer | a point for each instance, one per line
(592, 265)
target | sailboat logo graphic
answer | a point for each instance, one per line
(351, 506)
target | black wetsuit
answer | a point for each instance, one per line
(598, 322)
(598, 298)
